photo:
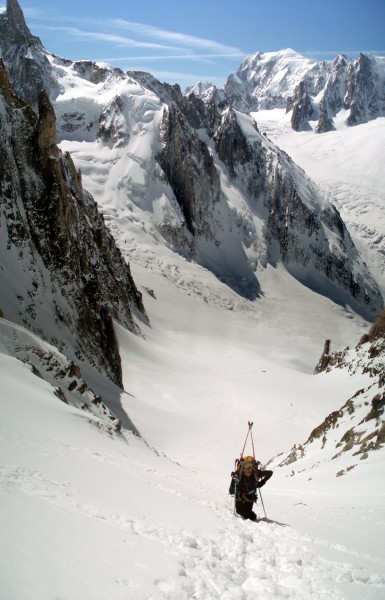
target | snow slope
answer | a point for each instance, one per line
(87, 513)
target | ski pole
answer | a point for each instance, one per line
(236, 479)
(260, 494)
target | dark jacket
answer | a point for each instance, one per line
(247, 485)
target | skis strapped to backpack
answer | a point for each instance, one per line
(249, 432)
(237, 474)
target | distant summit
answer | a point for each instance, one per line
(198, 89)
(311, 90)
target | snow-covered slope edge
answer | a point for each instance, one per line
(357, 430)
(85, 514)
(48, 364)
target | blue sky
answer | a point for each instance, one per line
(184, 42)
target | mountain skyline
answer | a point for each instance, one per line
(184, 44)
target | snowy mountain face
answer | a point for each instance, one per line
(62, 275)
(197, 176)
(313, 91)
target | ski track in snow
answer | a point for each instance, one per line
(244, 561)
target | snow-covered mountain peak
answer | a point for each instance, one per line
(310, 90)
(260, 61)
(266, 79)
(199, 89)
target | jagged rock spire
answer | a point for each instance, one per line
(16, 17)
(377, 330)
(24, 56)
(15, 27)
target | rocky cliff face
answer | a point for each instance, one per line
(301, 106)
(365, 82)
(24, 56)
(312, 90)
(60, 268)
(190, 171)
(299, 225)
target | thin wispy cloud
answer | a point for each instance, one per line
(142, 35)
(181, 39)
(134, 45)
(179, 46)
(119, 40)
(191, 57)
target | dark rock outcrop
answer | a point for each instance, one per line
(325, 121)
(231, 144)
(362, 94)
(377, 330)
(302, 108)
(55, 242)
(190, 171)
(24, 56)
(371, 345)
(325, 358)
(376, 335)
